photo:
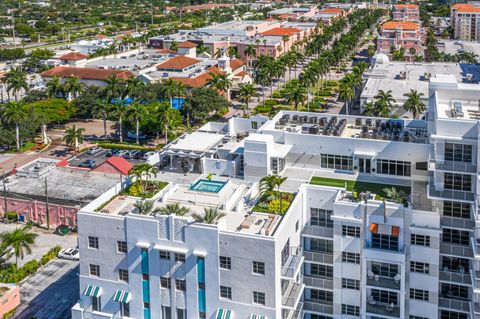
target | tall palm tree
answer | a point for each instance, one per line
(146, 207)
(211, 216)
(278, 182)
(54, 87)
(296, 94)
(267, 185)
(247, 91)
(250, 52)
(169, 89)
(414, 103)
(263, 78)
(135, 113)
(14, 113)
(174, 209)
(73, 87)
(73, 137)
(384, 102)
(167, 118)
(101, 110)
(132, 87)
(119, 111)
(346, 91)
(307, 79)
(20, 240)
(220, 82)
(113, 88)
(16, 80)
(202, 49)
(142, 172)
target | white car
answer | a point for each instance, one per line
(70, 253)
(147, 155)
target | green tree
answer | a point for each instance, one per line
(14, 113)
(20, 240)
(135, 113)
(119, 111)
(201, 103)
(211, 216)
(54, 87)
(146, 207)
(398, 196)
(16, 80)
(371, 51)
(73, 137)
(346, 91)
(296, 94)
(174, 209)
(73, 86)
(414, 103)
(102, 108)
(384, 103)
(220, 82)
(247, 91)
(142, 172)
(113, 88)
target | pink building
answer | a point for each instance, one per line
(400, 34)
(329, 14)
(9, 298)
(406, 12)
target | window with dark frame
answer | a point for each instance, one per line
(321, 245)
(321, 217)
(319, 270)
(348, 257)
(258, 267)
(179, 258)
(350, 231)
(419, 294)
(416, 266)
(350, 310)
(122, 247)
(420, 240)
(226, 292)
(456, 209)
(461, 182)
(165, 282)
(225, 262)
(348, 283)
(180, 284)
(387, 242)
(458, 152)
(94, 270)
(259, 297)
(391, 167)
(123, 274)
(456, 236)
(93, 242)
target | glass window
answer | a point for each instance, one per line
(453, 291)
(94, 270)
(321, 217)
(445, 314)
(258, 267)
(338, 162)
(350, 310)
(419, 294)
(385, 297)
(384, 269)
(123, 275)
(226, 292)
(390, 167)
(165, 282)
(164, 255)
(319, 270)
(420, 240)
(456, 209)
(455, 264)
(121, 247)
(259, 297)
(350, 283)
(416, 266)
(225, 262)
(461, 182)
(180, 284)
(321, 245)
(92, 242)
(386, 242)
(350, 258)
(455, 236)
(96, 304)
(180, 258)
(321, 295)
(458, 152)
(350, 231)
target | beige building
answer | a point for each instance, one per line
(465, 21)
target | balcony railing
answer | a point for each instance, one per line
(321, 283)
(456, 250)
(292, 294)
(321, 257)
(293, 262)
(384, 309)
(318, 306)
(455, 277)
(293, 313)
(384, 282)
(461, 305)
(450, 194)
(457, 222)
(317, 231)
(454, 166)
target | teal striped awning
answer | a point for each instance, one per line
(93, 291)
(257, 317)
(122, 296)
(224, 314)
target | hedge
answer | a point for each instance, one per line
(126, 147)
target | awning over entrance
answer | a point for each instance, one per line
(93, 291)
(224, 314)
(122, 296)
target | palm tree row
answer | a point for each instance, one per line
(383, 104)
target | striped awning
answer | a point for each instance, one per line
(122, 296)
(93, 291)
(224, 314)
(257, 317)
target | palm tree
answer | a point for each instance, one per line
(278, 182)
(267, 185)
(113, 88)
(16, 80)
(142, 172)
(285, 39)
(14, 113)
(221, 82)
(173, 45)
(73, 137)
(146, 207)
(307, 79)
(384, 102)
(263, 78)
(174, 209)
(296, 94)
(135, 113)
(133, 86)
(119, 111)
(101, 110)
(346, 91)
(211, 216)
(53, 87)
(169, 89)
(202, 49)
(414, 103)
(369, 109)
(398, 196)
(250, 52)
(371, 51)
(20, 240)
(247, 91)
(73, 86)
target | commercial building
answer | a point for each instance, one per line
(342, 249)
(293, 13)
(406, 12)
(465, 21)
(400, 34)
(327, 15)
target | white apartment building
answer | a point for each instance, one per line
(337, 252)
(465, 21)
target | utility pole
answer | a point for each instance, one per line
(4, 197)
(46, 204)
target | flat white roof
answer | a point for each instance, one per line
(197, 142)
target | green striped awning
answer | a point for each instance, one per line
(93, 291)
(224, 314)
(257, 317)
(122, 296)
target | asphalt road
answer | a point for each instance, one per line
(51, 292)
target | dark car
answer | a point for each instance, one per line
(87, 164)
(111, 153)
(62, 230)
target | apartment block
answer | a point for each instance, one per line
(399, 34)
(343, 249)
(406, 12)
(465, 21)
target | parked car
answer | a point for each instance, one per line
(87, 164)
(62, 230)
(147, 155)
(139, 155)
(112, 152)
(121, 153)
(129, 154)
(69, 253)
(94, 150)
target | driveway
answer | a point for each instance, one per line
(51, 292)
(43, 243)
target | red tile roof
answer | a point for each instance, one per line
(281, 31)
(242, 74)
(331, 10)
(187, 45)
(411, 6)
(406, 25)
(462, 5)
(466, 9)
(178, 62)
(73, 56)
(85, 73)
(236, 63)
(101, 36)
(199, 81)
(121, 164)
(166, 51)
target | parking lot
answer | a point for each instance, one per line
(99, 157)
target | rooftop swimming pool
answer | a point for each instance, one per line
(205, 185)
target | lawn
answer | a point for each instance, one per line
(357, 186)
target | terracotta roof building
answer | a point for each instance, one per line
(465, 21)
(281, 32)
(406, 12)
(115, 165)
(187, 45)
(200, 80)
(400, 34)
(179, 63)
(73, 56)
(86, 73)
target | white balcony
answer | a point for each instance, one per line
(294, 262)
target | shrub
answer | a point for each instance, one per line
(126, 147)
(274, 206)
(11, 216)
(31, 267)
(51, 254)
